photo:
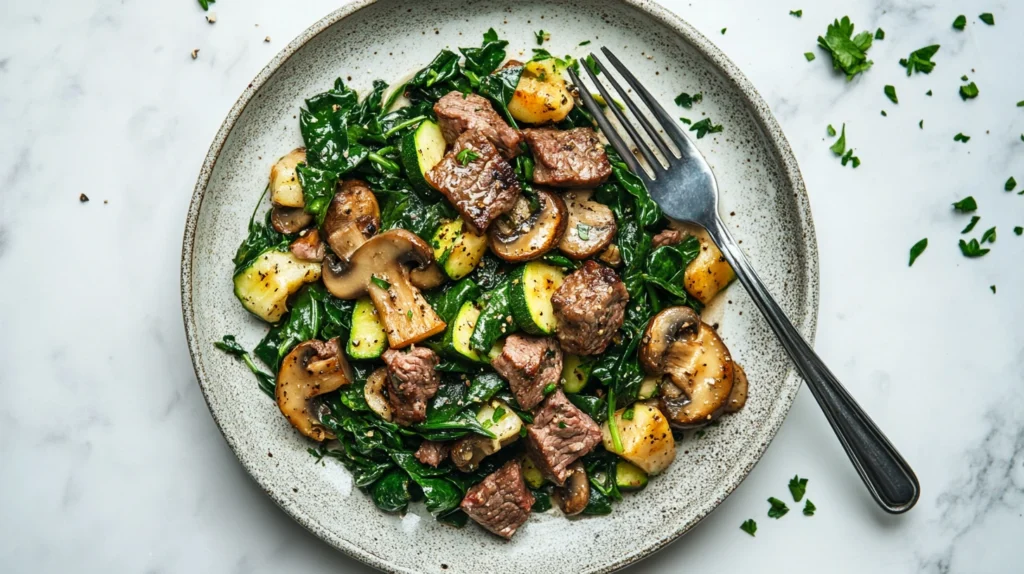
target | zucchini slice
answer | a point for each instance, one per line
(458, 249)
(264, 286)
(367, 340)
(575, 372)
(422, 149)
(649, 388)
(629, 477)
(456, 339)
(532, 286)
(531, 474)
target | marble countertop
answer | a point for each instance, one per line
(115, 465)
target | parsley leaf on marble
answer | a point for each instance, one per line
(960, 23)
(809, 508)
(989, 236)
(993, 288)
(920, 60)
(920, 124)
(987, 18)
(970, 226)
(749, 526)
(879, 34)
(705, 127)
(797, 13)
(890, 92)
(915, 252)
(1020, 104)
(797, 487)
(685, 100)
(584, 42)
(778, 508)
(1018, 230)
(839, 147)
(966, 205)
(972, 248)
(206, 4)
(831, 131)
(968, 92)
(849, 52)
(1010, 184)
(809, 56)
(723, 31)
(960, 137)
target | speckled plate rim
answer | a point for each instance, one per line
(779, 146)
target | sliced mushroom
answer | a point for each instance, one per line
(373, 392)
(694, 361)
(591, 225)
(285, 189)
(383, 267)
(612, 256)
(352, 217)
(311, 369)
(523, 234)
(575, 495)
(308, 246)
(738, 395)
(289, 220)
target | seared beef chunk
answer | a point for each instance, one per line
(529, 364)
(481, 187)
(432, 453)
(590, 306)
(569, 158)
(500, 502)
(412, 381)
(667, 237)
(458, 113)
(560, 434)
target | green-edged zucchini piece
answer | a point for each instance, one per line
(456, 338)
(629, 477)
(457, 249)
(574, 373)
(368, 340)
(531, 474)
(422, 149)
(648, 388)
(264, 286)
(533, 285)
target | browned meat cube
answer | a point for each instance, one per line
(568, 158)
(590, 306)
(480, 184)
(500, 502)
(432, 453)
(667, 237)
(458, 113)
(412, 382)
(529, 364)
(559, 435)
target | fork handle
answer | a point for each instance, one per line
(888, 477)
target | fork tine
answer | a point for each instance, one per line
(623, 121)
(640, 117)
(667, 122)
(616, 140)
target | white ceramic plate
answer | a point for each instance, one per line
(763, 200)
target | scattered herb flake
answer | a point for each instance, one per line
(584, 42)
(1018, 230)
(541, 35)
(963, 78)
(685, 121)
(809, 508)
(809, 56)
(969, 92)
(380, 282)
(685, 100)
(993, 288)
(749, 526)
(1020, 104)
(778, 508)
(705, 127)
(884, 115)
(960, 23)
(205, 4)
(628, 414)
(928, 93)
(879, 34)
(960, 137)
(591, 65)
(970, 226)
(972, 248)
(890, 92)
(839, 147)
(920, 60)
(987, 18)
(550, 388)
(723, 31)
(831, 131)
(797, 487)
(915, 252)
(989, 235)
(1010, 184)
(849, 52)
(798, 14)
(467, 155)
(920, 124)
(583, 231)
(966, 205)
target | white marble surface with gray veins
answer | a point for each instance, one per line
(110, 461)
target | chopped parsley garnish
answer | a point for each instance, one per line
(686, 100)
(831, 131)
(915, 252)
(993, 288)
(972, 248)
(583, 231)
(928, 93)
(541, 35)
(408, 314)
(963, 78)
(749, 526)
(849, 52)
(467, 155)
(778, 508)
(960, 23)
(1018, 230)
(920, 124)
(1010, 184)
(705, 127)
(380, 283)
(797, 487)
(1020, 104)
(879, 34)
(809, 508)
(968, 92)
(890, 92)
(685, 121)
(809, 56)
(798, 14)
(970, 226)
(550, 388)
(989, 235)
(839, 147)
(591, 65)
(723, 31)
(561, 424)
(498, 413)
(987, 18)
(628, 414)
(205, 4)
(848, 157)
(884, 115)
(966, 205)
(584, 42)
(960, 137)
(920, 60)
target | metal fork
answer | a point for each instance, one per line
(687, 191)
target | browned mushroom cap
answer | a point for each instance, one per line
(611, 256)
(523, 234)
(575, 495)
(591, 225)
(289, 220)
(308, 246)
(738, 395)
(352, 217)
(308, 371)
(374, 391)
(695, 362)
(383, 267)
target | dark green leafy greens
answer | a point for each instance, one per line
(266, 381)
